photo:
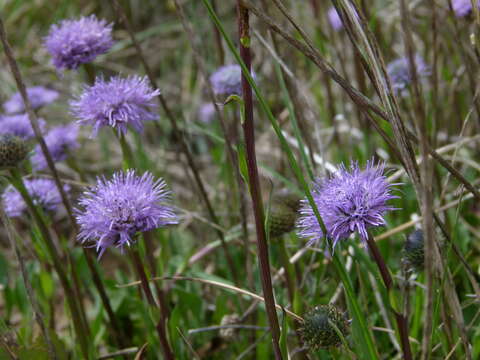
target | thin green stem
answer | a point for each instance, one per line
(74, 306)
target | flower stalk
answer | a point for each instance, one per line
(254, 182)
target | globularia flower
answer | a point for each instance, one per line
(75, 42)
(462, 7)
(349, 201)
(60, 140)
(206, 113)
(400, 73)
(115, 210)
(117, 103)
(19, 125)
(227, 80)
(43, 192)
(38, 96)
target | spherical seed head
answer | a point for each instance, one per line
(37, 95)
(400, 73)
(75, 42)
(19, 125)
(60, 140)
(13, 150)
(318, 330)
(114, 211)
(414, 253)
(118, 103)
(349, 201)
(43, 192)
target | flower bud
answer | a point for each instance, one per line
(414, 254)
(318, 330)
(13, 151)
(283, 214)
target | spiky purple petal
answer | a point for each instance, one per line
(115, 210)
(79, 41)
(349, 201)
(118, 103)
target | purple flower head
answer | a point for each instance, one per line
(334, 19)
(75, 42)
(19, 125)
(206, 113)
(59, 140)
(349, 201)
(118, 103)
(463, 7)
(38, 96)
(227, 80)
(43, 192)
(400, 74)
(115, 210)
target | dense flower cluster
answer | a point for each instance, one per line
(43, 192)
(400, 73)
(349, 201)
(19, 125)
(75, 42)
(118, 103)
(115, 210)
(37, 95)
(59, 140)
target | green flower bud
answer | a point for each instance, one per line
(414, 254)
(318, 330)
(283, 214)
(13, 150)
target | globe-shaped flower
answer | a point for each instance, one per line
(118, 103)
(227, 80)
(115, 210)
(400, 73)
(38, 95)
(60, 140)
(43, 192)
(19, 125)
(349, 201)
(463, 7)
(206, 113)
(75, 42)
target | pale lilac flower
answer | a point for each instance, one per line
(115, 210)
(349, 201)
(38, 96)
(60, 140)
(206, 113)
(400, 73)
(75, 42)
(334, 19)
(43, 192)
(118, 103)
(463, 7)
(227, 80)
(19, 125)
